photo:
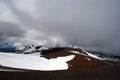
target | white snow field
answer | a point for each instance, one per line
(34, 61)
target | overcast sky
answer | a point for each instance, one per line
(93, 24)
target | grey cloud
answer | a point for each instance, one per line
(8, 30)
(92, 24)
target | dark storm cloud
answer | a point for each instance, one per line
(8, 30)
(92, 24)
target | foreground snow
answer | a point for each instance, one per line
(34, 61)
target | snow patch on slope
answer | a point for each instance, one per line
(91, 55)
(87, 54)
(34, 62)
(75, 52)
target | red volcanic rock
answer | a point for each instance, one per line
(81, 59)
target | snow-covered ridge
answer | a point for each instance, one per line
(88, 54)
